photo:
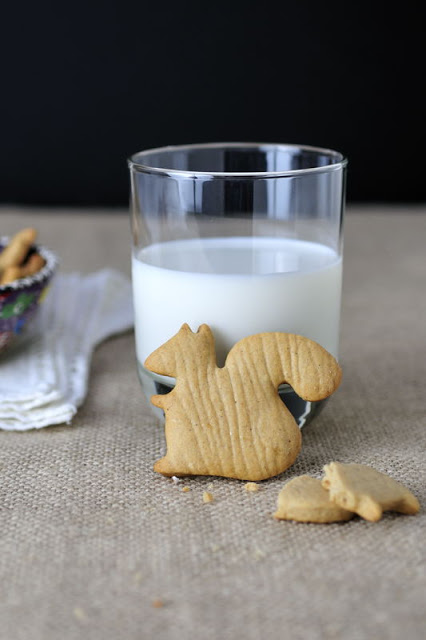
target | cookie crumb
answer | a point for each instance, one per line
(207, 497)
(137, 577)
(186, 489)
(251, 486)
(79, 613)
(157, 603)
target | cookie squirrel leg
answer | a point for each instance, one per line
(158, 401)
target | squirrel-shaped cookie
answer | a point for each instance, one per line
(230, 421)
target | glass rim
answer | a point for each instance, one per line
(135, 164)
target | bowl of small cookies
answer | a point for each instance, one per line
(26, 269)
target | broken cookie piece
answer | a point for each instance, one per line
(366, 491)
(305, 500)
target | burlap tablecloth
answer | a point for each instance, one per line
(91, 537)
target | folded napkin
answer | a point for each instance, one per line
(43, 380)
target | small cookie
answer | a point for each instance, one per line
(367, 491)
(10, 274)
(305, 500)
(16, 251)
(230, 421)
(34, 264)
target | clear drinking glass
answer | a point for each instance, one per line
(244, 237)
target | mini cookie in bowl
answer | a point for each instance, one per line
(26, 270)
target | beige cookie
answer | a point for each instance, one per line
(14, 254)
(304, 499)
(34, 264)
(366, 491)
(230, 421)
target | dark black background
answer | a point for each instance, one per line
(85, 84)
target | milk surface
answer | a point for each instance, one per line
(238, 286)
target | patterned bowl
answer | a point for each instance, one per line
(20, 300)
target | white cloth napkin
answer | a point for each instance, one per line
(44, 379)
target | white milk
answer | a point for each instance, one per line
(238, 286)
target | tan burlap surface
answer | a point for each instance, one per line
(90, 537)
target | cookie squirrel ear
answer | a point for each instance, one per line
(204, 328)
(207, 349)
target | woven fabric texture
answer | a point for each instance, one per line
(93, 541)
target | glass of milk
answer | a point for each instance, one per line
(244, 237)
